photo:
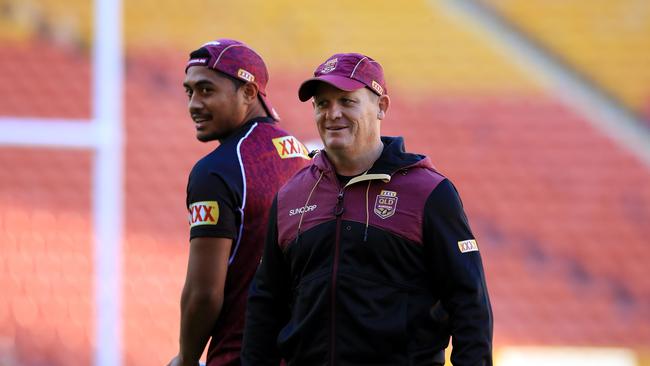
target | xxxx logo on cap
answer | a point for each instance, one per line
(245, 75)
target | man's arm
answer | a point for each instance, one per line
(458, 275)
(202, 295)
(212, 206)
(267, 310)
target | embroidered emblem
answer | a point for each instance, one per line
(385, 204)
(468, 246)
(329, 66)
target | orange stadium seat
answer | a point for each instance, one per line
(607, 40)
(559, 209)
(60, 76)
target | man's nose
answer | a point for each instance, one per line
(333, 112)
(195, 104)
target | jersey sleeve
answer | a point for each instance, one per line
(211, 205)
(458, 274)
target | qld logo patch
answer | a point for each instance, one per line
(385, 204)
(290, 147)
(468, 246)
(329, 66)
(204, 213)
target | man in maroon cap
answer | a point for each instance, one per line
(369, 258)
(229, 194)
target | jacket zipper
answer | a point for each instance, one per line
(338, 212)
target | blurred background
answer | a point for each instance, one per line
(538, 110)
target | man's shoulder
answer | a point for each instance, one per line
(271, 127)
(304, 178)
(261, 130)
(433, 187)
(218, 166)
(270, 137)
(421, 177)
(212, 161)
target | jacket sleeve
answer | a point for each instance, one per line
(458, 276)
(267, 310)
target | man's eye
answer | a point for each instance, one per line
(188, 92)
(205, 90)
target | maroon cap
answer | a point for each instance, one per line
(235, 59)
(346, 71)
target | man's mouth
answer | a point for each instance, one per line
(336, 128)
(200, 121)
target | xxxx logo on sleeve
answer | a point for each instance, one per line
(385, 204)
(204, 213)
(290, 147)
(468, 246)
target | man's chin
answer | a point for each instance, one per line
(205, 137)
(335, 145)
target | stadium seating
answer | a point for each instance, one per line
(46, 311)
(606, 40)
(560, 210)
(54, 82)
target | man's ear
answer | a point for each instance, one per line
(384, 104)
(249, 92)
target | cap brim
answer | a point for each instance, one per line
(308, 87)
(268, 107)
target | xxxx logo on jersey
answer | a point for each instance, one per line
(204, 213)
(290, 147)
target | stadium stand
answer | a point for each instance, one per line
(41, 79)
(46, 311)
(560, 211)
(606, 40)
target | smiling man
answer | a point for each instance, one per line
(369, 258)
(229, 194)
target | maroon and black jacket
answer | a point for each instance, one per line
(381, 271)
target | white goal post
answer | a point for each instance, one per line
(103, 134)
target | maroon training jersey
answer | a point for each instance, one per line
(229, 195)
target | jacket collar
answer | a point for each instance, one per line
(392, 159)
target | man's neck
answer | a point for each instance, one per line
(256, 111)
(247, 118)
(348, 165)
